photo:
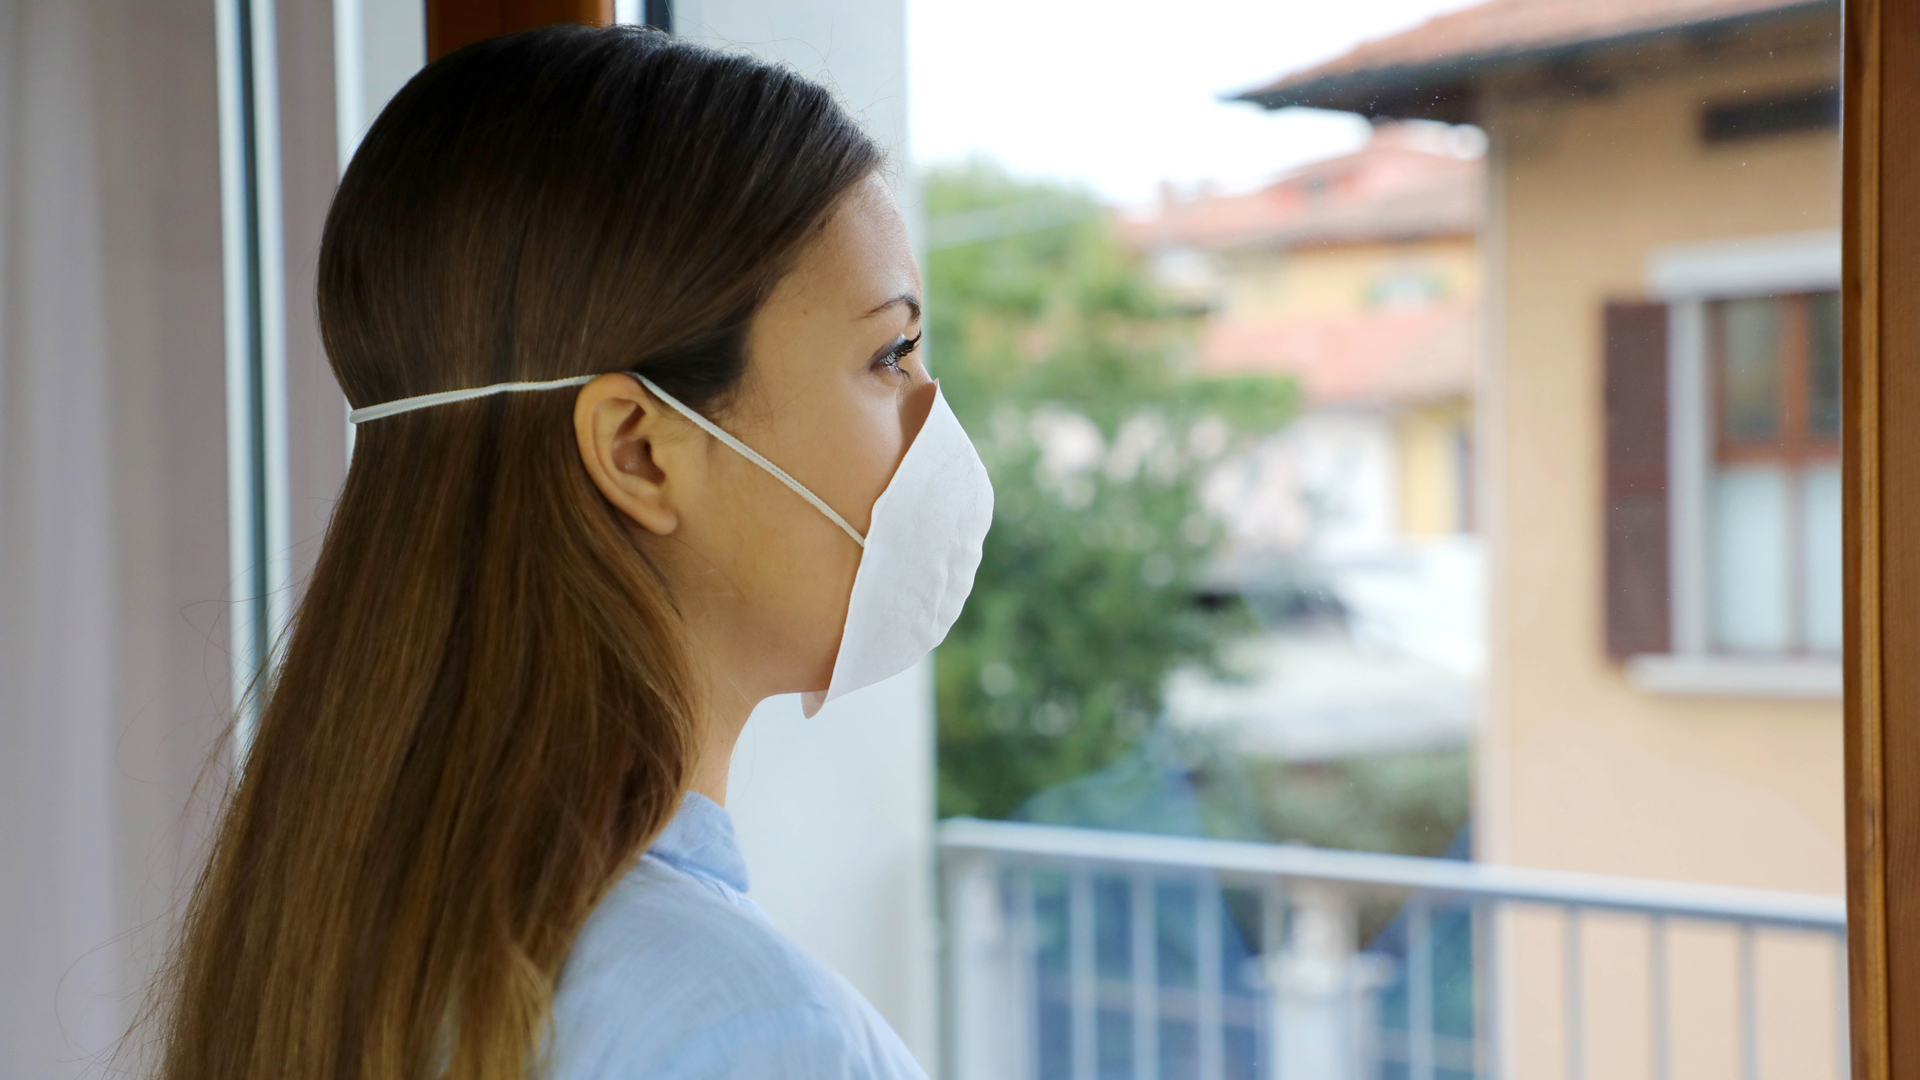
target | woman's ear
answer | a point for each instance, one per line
(619, 427)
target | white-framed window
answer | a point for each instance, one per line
(1773, 487)
(1753, 468)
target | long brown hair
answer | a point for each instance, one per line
(483, 713)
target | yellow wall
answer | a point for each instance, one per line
(1428, 439)
(1339, 281)
(1580, 769)
(1335, 280)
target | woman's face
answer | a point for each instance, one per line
(833, 394)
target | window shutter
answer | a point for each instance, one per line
(1639, 608)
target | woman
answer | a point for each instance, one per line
(643, 439)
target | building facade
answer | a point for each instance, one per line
(1658, 415)
(1358, 277)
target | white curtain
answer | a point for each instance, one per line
(113, 560)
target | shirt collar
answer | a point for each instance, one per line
(700, 841)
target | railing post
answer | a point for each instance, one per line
(1419, 989)
(1273, 939)
(1144, 965)
(1659, 1011)
(1575, 990)
(1658, 995)
(983, 1021)
(1749, 1006)
(1843, 1021)
(1313, 988)
(1023, 1036)
(1209, 1028)
(1486, 992)
(1082, 1000)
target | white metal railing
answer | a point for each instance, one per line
(1061, 944)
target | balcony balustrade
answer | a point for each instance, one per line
(1081, 954)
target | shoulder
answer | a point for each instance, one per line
(675, 976)
(664, 927)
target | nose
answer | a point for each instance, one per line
(915, 404)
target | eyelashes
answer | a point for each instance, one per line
(892, 357)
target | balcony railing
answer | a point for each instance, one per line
(1080, 954)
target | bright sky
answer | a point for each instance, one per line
(1121, 94)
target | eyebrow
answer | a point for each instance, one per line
(912, 302)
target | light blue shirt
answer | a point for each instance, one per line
(678, 976)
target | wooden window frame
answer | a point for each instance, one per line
(453, 23)
(1881, 453)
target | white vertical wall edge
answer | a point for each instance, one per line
(837, 823)
(271, 266)
(349, 78)
(377, 46)
(349, 112)
(233, 251)
(251, 249)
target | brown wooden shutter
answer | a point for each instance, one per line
(453, 23)
(1639, 605)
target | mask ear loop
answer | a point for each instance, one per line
(448, 397)
(749, 453)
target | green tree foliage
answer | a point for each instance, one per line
(1075, 380)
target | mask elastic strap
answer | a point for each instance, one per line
(448, 397)
(749, 453)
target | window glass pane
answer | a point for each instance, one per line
(1750, 370)
(1748, 569)
(1280, 353)
(1823, 366)
(1822, 552)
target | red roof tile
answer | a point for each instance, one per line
(1413, 354)
(1386, 191)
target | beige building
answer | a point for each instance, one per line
(1358, 277)
(1658, 417)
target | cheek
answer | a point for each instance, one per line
(794, 570)
(792, 567)
(855, 456)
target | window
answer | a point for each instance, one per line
(1773, 575)
(1724, 505)
(1702, 510)
(1405, 287)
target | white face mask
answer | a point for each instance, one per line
(918, 557)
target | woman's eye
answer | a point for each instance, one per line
(892, 357)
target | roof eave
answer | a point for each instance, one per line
(1405, 93)
(1445, 89)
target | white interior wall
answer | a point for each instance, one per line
(836, 813)
(378, 45)
(835, 816)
